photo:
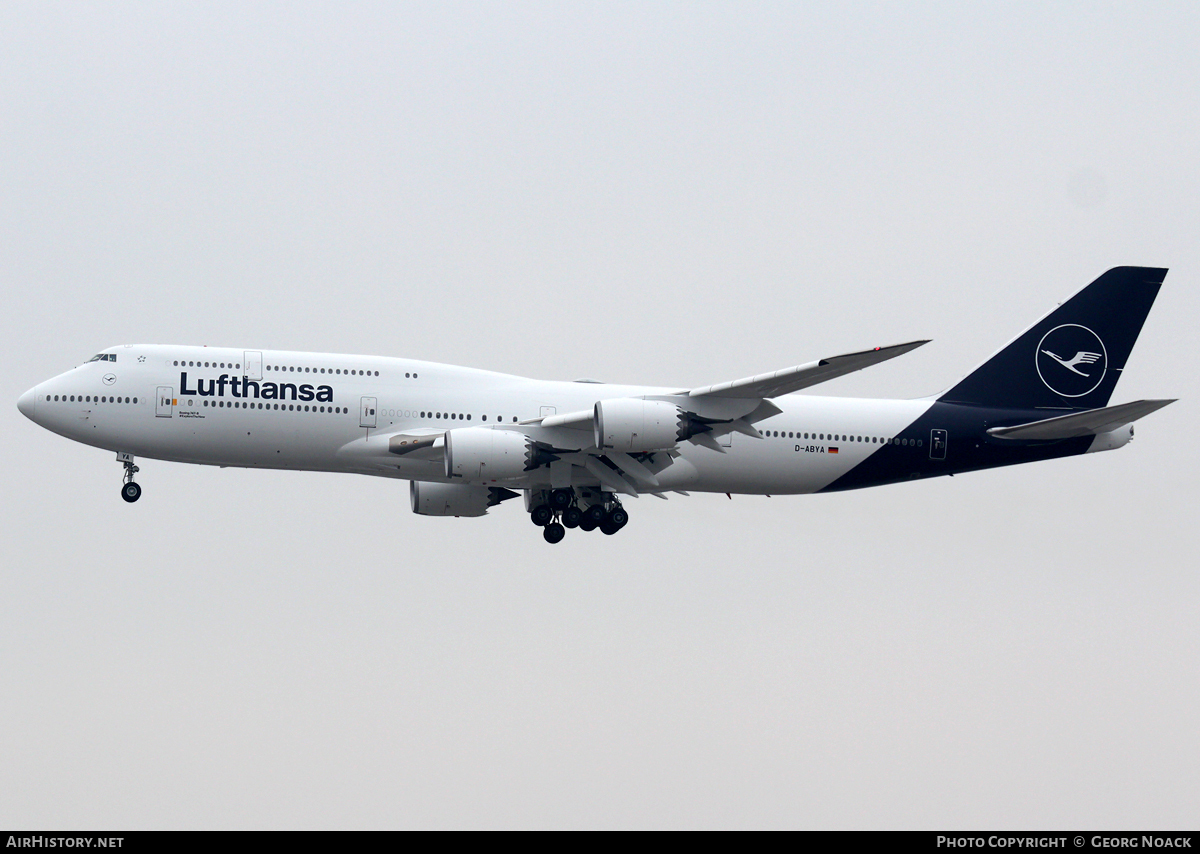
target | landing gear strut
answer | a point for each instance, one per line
(130, 490)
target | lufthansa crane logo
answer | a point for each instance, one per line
(1071, 360)
(109, 379)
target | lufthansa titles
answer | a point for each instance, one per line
(241, 387)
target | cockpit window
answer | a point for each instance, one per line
(104, 357)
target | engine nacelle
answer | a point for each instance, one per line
(451, 499)
(632, 425)
(481, 453)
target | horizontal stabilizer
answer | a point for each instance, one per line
(788, 380)
(1090, 423)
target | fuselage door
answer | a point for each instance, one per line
(938, 440)
(253, 365)
(366, 412)
(164, 406)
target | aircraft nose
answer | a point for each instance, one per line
(28, 403)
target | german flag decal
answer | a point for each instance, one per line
(832, 449)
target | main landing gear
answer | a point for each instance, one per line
(130, 490)
(560, 509)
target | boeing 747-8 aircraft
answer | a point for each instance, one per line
(469, 439)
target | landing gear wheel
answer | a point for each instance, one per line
(554, 533)
(595, 514)
(586, 524)
(130, 491)
(541, 515)
(614, 520)
(571, 517)
(560, 499)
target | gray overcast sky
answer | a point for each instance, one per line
(663, 193)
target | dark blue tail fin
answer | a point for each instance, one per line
(1073, 356)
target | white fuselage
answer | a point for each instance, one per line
(328, 412)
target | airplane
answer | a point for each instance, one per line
(469, 439)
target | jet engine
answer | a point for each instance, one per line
(632, 425)
(454, 499)
(481, 453)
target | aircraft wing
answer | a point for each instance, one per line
(773, 384)
(1089, 423)
(788, 380)
(734, 406)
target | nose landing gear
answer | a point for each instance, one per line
(130, 490)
